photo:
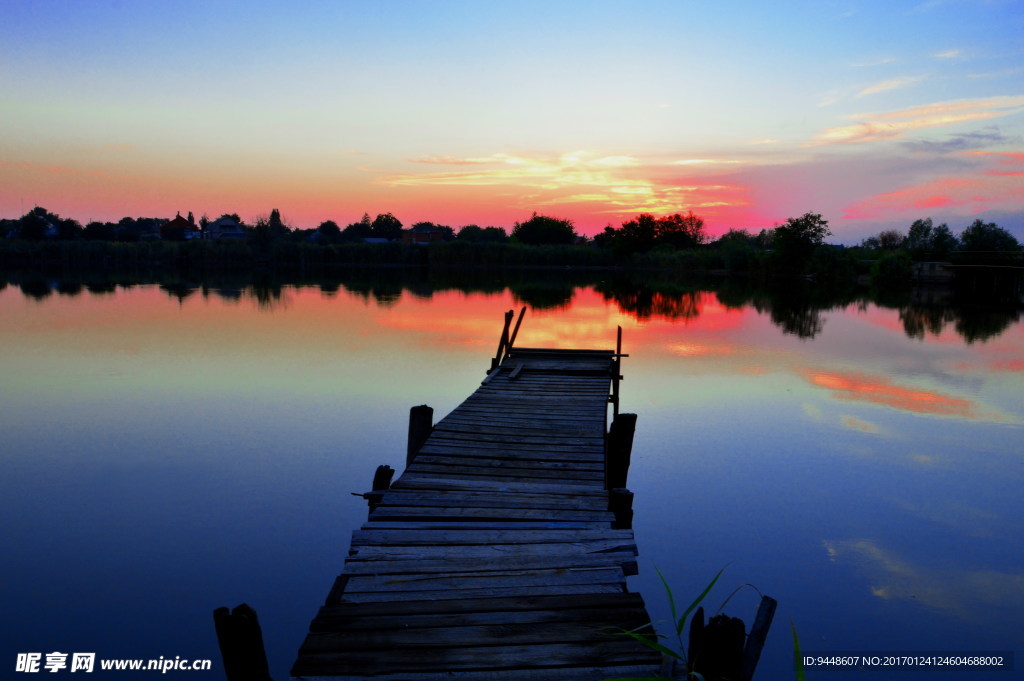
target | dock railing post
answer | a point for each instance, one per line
(240, 639)
(503, 341)
(421, 423)
(617, 372)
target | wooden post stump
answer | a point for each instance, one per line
(241, 644)
(720, 650)
(421, 424)
(620, 502)
(618, 448)
(381, 483)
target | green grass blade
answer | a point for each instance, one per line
(653, 645)
(797, 657)
(693, 606)
(671, 600)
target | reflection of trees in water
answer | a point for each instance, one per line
(179, 290)
(268, 296)
(68, 288)
(981, 305)
(795, 316)
(975, 324)
(918, 320)
(543, 296)
(36, 289)
(99, 287)
(230, 295)
(977, 309)
(383, 294)
(646, 302)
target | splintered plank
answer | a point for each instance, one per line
(411, 480)
(588, 625)
(490, 551)
(381, 566)
(489, 537)
(338, 618)
(454, 468)
(425, 513)
(576, 673)
(410, 659)
(495, 448)
(471, 480)
(497, 455)
(475, 500)
(483, 592)
(463, 582)
(546, 462)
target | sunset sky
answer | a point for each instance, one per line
(871, 113)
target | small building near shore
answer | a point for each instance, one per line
(932, 271)
(224, 228)
(422, 234)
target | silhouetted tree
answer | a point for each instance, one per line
(637, 236)
(69, 230)
(795, 240)
(276, 225)
(34, 225)
(541, 229)
(386, 226)
(99, 231)
(919, 238)
(987, 236)
(943, 241)
(494, 235)
(681, 231)
(328, 232)
(891, 240)
(469, 233)
(357, 231)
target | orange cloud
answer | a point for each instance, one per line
(879, 390)
(609, 184)
(452, 160)
(701, 350)
(890, 125)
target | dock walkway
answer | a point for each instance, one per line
(494, 556)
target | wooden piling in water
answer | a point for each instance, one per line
(618, 449)
(421, 422)
(240, 639)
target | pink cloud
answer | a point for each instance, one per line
(980, 189)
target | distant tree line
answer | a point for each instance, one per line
(679, 241)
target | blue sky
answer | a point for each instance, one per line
(872, 113)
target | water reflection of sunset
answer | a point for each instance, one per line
(879, 390)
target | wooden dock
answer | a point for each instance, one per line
(501, 552)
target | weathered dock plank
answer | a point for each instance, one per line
(495, 555)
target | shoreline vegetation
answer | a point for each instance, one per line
(678, 244)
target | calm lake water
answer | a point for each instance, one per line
(170, 450)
